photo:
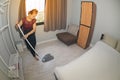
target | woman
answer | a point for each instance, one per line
(28, 25)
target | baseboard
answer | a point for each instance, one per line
(38, 43)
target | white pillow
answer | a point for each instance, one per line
(118, 46)
(73, 29)
(109, 40)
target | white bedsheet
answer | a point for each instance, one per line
(101, 62)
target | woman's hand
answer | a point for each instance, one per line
(20, 24)
(25, 36)
(16, 25)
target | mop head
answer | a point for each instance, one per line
(47, 58)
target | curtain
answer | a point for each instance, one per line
(55, 15)
(22, 10)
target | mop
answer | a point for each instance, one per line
(46, 58)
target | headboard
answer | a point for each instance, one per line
(111, 41)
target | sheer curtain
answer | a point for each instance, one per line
(22, 9)
(55, 15)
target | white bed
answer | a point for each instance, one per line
(102, 62)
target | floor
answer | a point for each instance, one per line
(36, 70)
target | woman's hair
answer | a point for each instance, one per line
(33, 11)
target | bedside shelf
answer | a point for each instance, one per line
(16, 62)
(13, 63)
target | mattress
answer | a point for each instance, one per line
(102, 62)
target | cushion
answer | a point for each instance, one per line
(73, 29)
(118, 46)
(67, 38)
(109, 40)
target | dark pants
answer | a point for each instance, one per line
(32, 40)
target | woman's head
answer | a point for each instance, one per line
(33, 13)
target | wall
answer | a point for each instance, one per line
(14, 4)
(3, 50)
(75, 12)
(40, 34)
(107, 19)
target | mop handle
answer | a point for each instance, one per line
(27, 40)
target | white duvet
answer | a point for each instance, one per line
(101, 62)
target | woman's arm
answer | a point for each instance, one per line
(31, 32)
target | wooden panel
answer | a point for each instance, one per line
(93, 14)
(83, 36)
(86, 13)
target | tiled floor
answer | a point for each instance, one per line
(36, 70)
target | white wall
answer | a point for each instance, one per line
(107, 18)
(14, 4)
(40, 34)
(75, 12)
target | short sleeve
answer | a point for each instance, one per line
(34, 21)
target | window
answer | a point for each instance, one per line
(39, 5)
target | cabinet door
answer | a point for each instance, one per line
(86, 13)
(83, 36)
